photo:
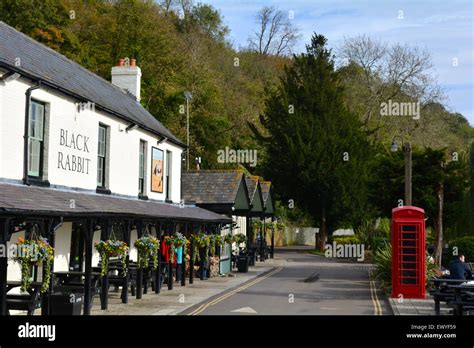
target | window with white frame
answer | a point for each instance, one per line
(36, 138)
(142, 167)
(101, 156)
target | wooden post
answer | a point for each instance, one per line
(170, 269)
(88, 229)
(4, 238)
(183, 265)
(139, 270)
(127, 236)
(202, 255)
(50, 227)
(158, 270)
(272, 248)
(191, 258)
(104, 293)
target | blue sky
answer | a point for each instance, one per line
(443, 27)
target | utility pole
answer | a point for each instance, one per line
(408, 174)
(188, 95)
(408, 168)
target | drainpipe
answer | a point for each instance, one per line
(26, 132)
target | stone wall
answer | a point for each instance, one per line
(294, 236)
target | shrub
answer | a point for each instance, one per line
(383, 265)
(353, 239)
(378, 242)
(464, 245)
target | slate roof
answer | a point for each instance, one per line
(210, 187)
(57, 71)
(16, 198)
(265, 185)
(252, 182)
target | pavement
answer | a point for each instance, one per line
(172, 302)
(409, 306)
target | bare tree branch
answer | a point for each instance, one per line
(276, 35)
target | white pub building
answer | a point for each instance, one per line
(81, 160)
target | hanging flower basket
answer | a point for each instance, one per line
(147, 247)
(240, 238)
(112, 248)
(215, 241)
(229, 239)
(34, 253)
(201, 242)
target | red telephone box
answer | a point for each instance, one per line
(408, 252)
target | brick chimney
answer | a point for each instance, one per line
(127, 77)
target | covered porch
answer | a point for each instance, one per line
(73, 221)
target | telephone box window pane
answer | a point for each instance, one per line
(409, 266)
(410, 251)
(407, 243)
(408, 273)
(408, 235)
(408, 258)
(409, 228)
(409, 281)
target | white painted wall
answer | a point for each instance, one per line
(124, 146)
(241, 226)
(62, 247)
(14, 269)
(133, 250)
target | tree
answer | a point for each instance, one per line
(439, 185)
(43, 20)
(317, 153)
(275, 34)
(376, 72)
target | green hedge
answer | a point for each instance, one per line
(353, 239)
(464, 245)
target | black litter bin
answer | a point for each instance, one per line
(252, 257)
(65, 303)
(243, 263)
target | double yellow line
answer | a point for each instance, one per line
(373, 295)
(204, 306)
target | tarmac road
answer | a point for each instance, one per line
(304, 284)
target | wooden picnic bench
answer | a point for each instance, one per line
(28, 302)
(442, 293)
(463, 298)
(72, 282)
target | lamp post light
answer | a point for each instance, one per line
(408, 167)
(188, 95)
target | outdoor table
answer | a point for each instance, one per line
(462, 291)
(16, 283)
(441, 291)
(24, 302)
(65, 277)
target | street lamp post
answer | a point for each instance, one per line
(188, 95)
(408, 168)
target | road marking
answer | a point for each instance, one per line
(165, 311)
(373, 295)
(245, 310)
(204, 306)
